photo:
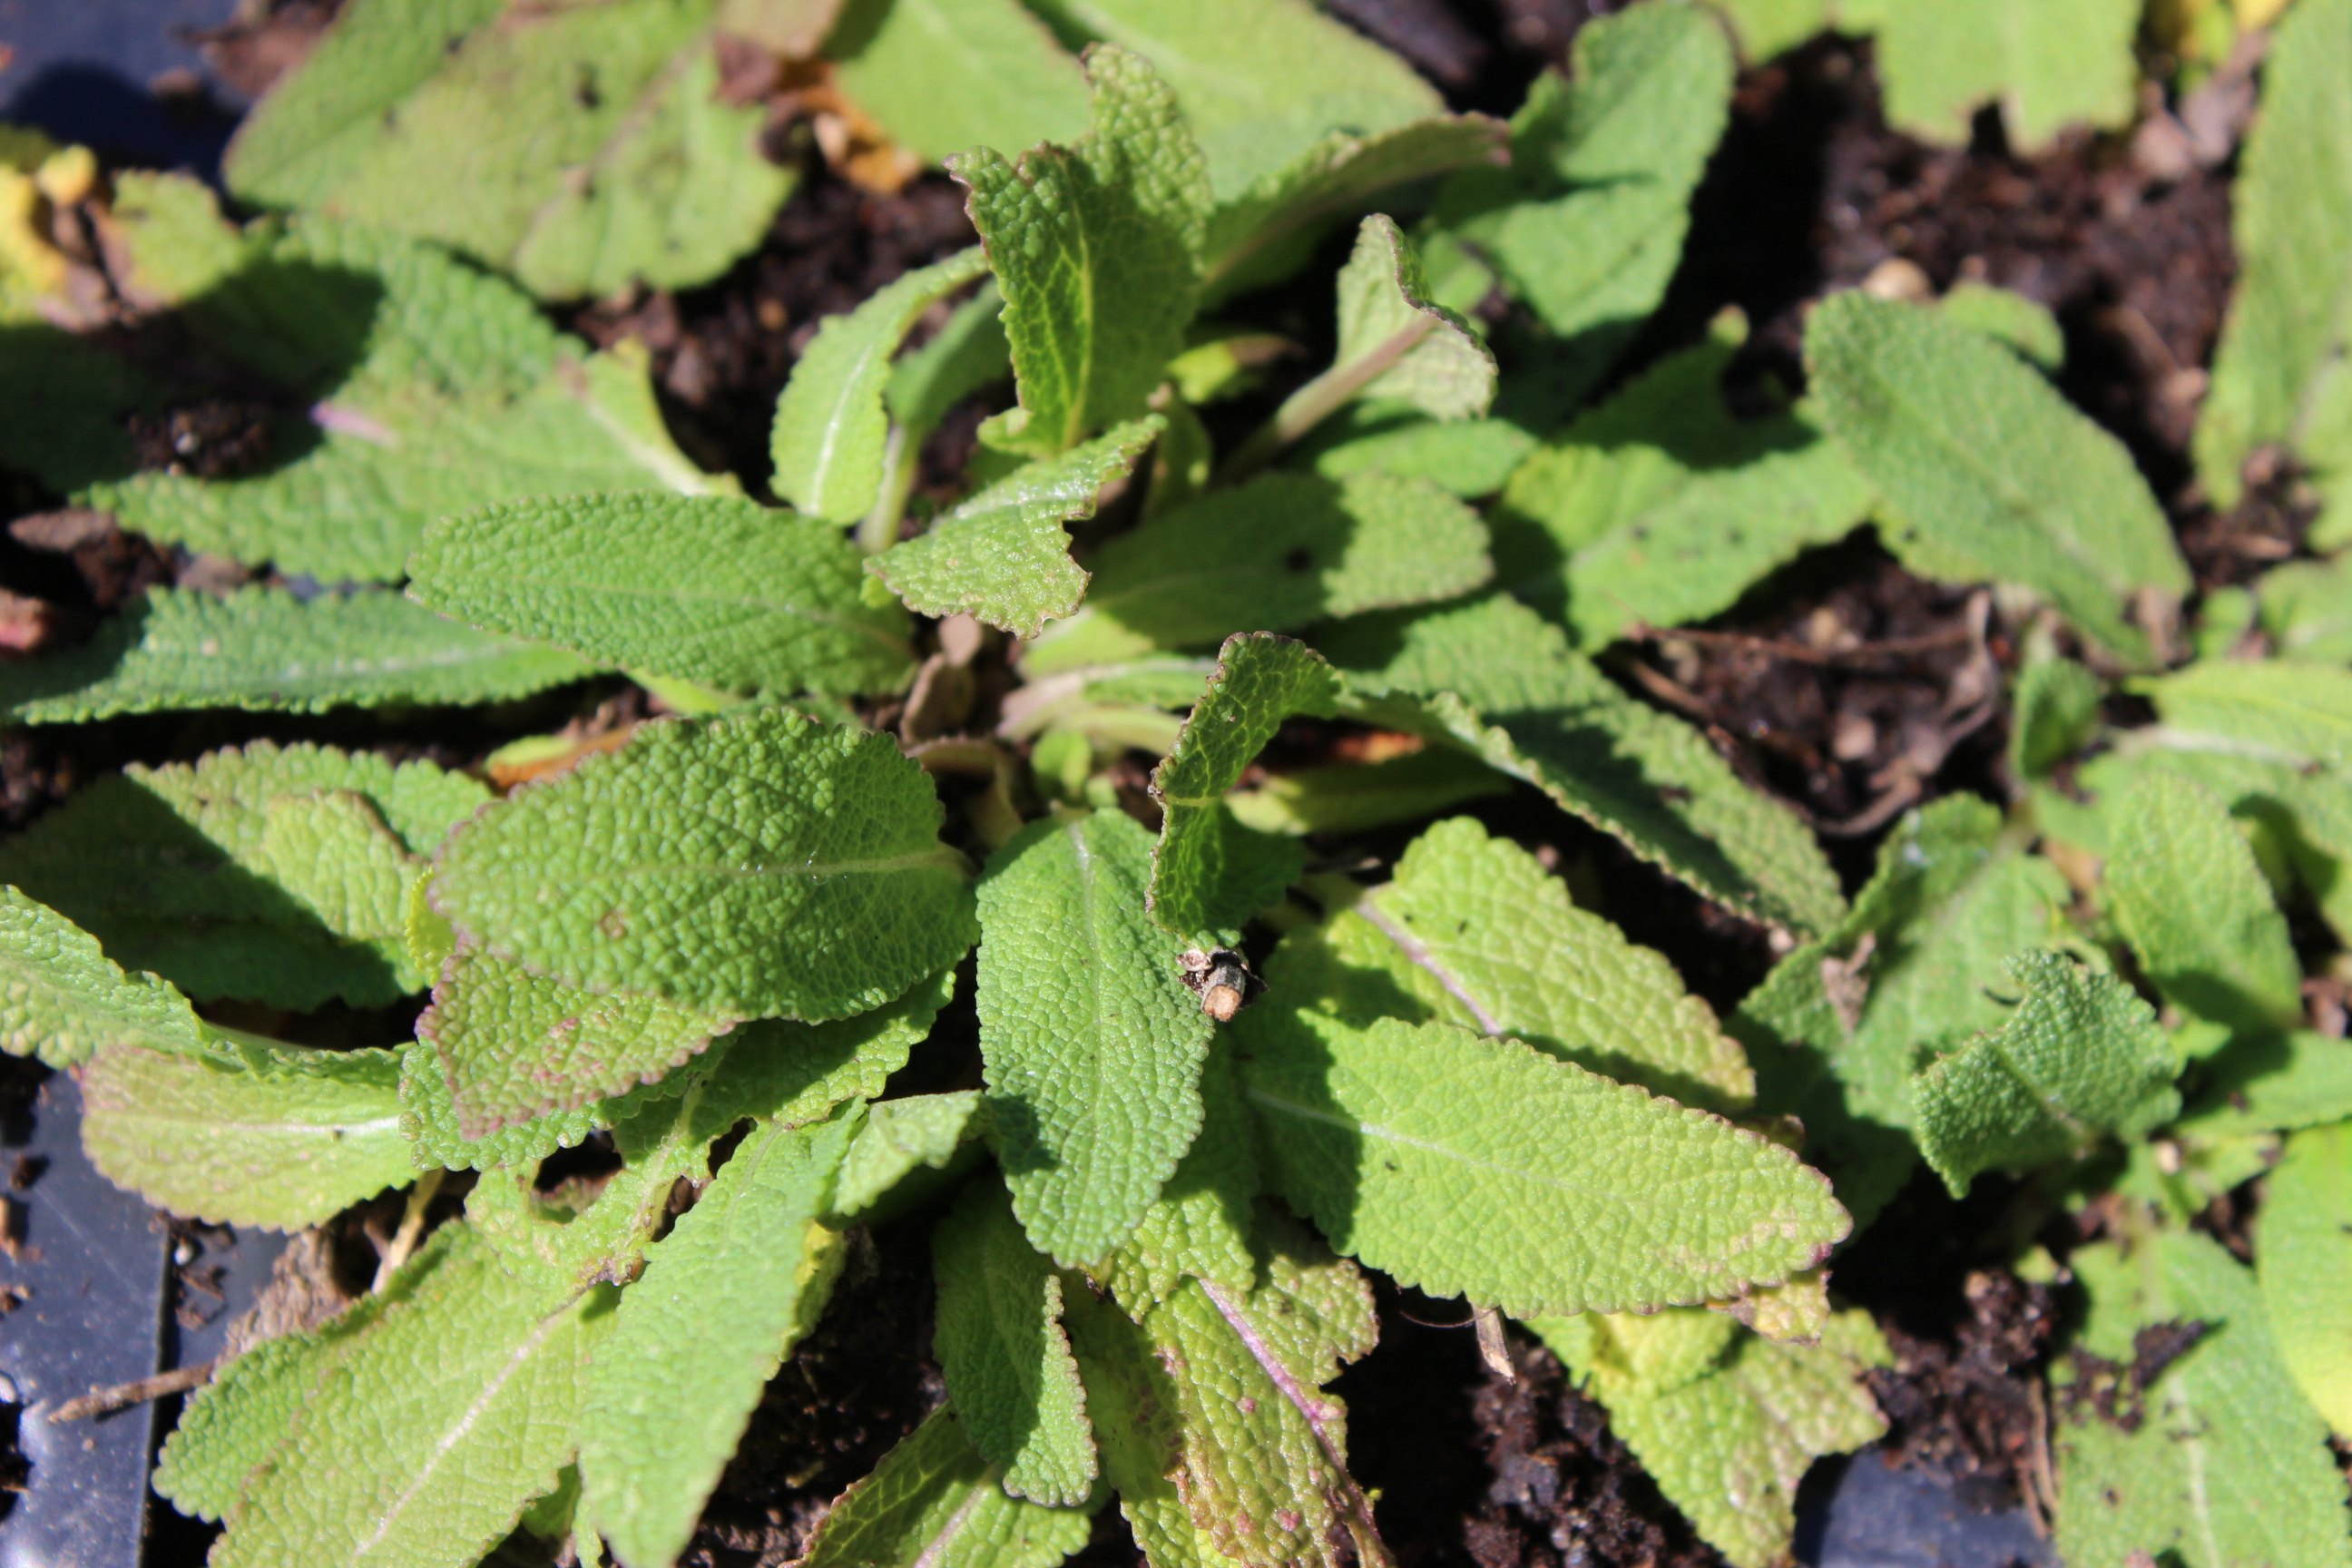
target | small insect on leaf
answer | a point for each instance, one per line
(1222, 979)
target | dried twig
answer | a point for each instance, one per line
(122, 1395)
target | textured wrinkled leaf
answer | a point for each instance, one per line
(758, 865)
(2186, 893)
(789, 1072)
(1394, 343)
(1494, 679)
(2263, 710)
(1004, 555)
(900, 1137)
(1200, 1226)
(1840, 1025)
(1277, 554)
(1259, 81)
(2081, 1058)
(1587, 223)
(401, 384)
(279, 874)
(1096, 249)
(2277, 1083)
(1984, 470)
(582, 148)
(264, 648)
(942, 76)
(1728, 1435)
(1260, 681)
(62, 998)
(832, 433)
(933, 1503)
(2303, 1255)
(276, 1136)
(1660, 507)
(1468, 458)
(1090, 1042)
(2291, 221)
(2227, 1467)
(724, 1296)
(1579, 1193)
(515, 1045)
(710, 589)
(1228, 1383)
(1350, 798)
(414, 1429)
(2047, 64)
(1474, 932)
(1001, 1350)
(1344, 170)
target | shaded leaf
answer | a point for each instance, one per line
(933, 1503)
(2304, 1257)
(62, 998)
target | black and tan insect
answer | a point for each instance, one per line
(1221, 980)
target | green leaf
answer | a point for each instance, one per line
(1768, 27)
(278, 874)
(1260, 681)
(2302, 1257)
(2081, 1058)
(276, 1136)
(62, 998)
(1343, 171)
(1586, 225)
(2306, 609)
(1661, 507)
(1487, 1169)
(944, 75)
(2056, 712)
(2186, 893)
(1277, 554)
(1840, 1027)
(2047, 64)
(2226, 1465)
(1091, 1041)
(1468, 458)
(711, 589)
(968, 353)
(1728, 1434)
(1256, 1448)
(417, 1427)
(933, 1503)
(831, 433)
(1497, 681)
(1201, 1224)
(2267, 710)
(1473, 931)
(405, 385)
(264, 648)
(2008, 317)
(2277, 1083)
(724, 1297)
(1984, 470)
(581, 148)
(1260, 81)
(1001, 1350)
(709, 862)
(1004, 555)
(901, 1137)
(515, 1045)
(1394, 344)
(1352, 798)
(1096, 249)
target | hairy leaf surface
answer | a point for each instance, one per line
(757, 865)
(1096, 249)
(279, 874)
(264, 648)
(1984, 470)
(933, 1503)
(902, 1136)
(1409, 1144)
(582, 149)
(710, 589)
(736, 1283)
(831, 433)
(276, 1136)
(2080, 1057)
(1001, 1350)
(2227, 1465)
(1394, 343)
(1090, 1042)
(1201, 1224)
(943, 76)
(1274, 554)
(62, 998)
